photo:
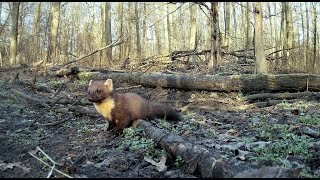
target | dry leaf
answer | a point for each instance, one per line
(232, 132)
(161, 166)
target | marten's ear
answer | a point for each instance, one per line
(108, 84)
(90, 82)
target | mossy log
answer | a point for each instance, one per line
(243, 83)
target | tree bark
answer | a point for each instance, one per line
(138, 43)
(120, 27)
(284, 35)
(36, 30)
(227, 24)
(108, 32)
(307, 40)
(312, 68)
(55, 18)
(244, 83)
(14, 32)
(215, 37)
(249, 26)
(261, 64)
(157, 33)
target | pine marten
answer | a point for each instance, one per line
(121, 109)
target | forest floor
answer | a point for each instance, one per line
(80, 146)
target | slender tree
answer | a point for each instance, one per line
(227, 24)
(215, 33)
(261, 64)
(36, 30)
(14, 32)
(54, 27)
(120, 26)
(307, 40)
(284, 35)
(193, 27)
(314, 37)
(108, 31)
(138, 43)
(249, 26)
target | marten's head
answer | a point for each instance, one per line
(99, 90)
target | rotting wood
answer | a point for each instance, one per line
(243, 83)
(197, 158)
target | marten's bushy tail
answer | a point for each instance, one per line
(164, 111)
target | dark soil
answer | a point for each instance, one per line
(80, 142)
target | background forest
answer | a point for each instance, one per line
(244, 76)
(155, 31)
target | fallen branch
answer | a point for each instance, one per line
(116, 43)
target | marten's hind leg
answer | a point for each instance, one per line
(122, 124)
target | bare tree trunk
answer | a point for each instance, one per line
(14, 32)
(271, 28)
(0, 12)
(277, 39)
(55, 18)
(20, 22)
(284, 35)
(108, 32)
(307, 41)
(227, 25)
(103, 34)
(243, 25)
(144, 26)
(138, 43)
(173, 29)
(193, 27)
(303, 63)
(168, 39)
(157, 33)
(129, 30)
(235, 24)
(215, 33)
(120, 26)
(249, 26)
(261, 64)
(36, 30)
(313, 65)
(289, 31)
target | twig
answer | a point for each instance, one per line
(50, 173)
(48, 156)
(50, 166)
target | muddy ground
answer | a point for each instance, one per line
(80, 145)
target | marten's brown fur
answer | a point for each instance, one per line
(121, 109)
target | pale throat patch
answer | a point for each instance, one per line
(105, 108)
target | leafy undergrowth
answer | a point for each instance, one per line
(81, 146)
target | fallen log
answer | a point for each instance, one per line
(208, 163)
(244, 83)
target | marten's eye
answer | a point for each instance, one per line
(98, 91)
